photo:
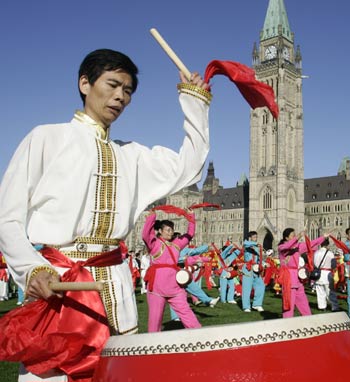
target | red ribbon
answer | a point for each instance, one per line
(256, 93)
(205, 204)
(62, 334)
(310, 253)
(340, 245)
(285, 280)
(170, 209)
(3, 275)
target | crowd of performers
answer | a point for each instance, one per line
(171, 271)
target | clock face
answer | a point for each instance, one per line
(270, 52)
(285, 53)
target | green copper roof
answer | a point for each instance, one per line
(342, 167)
(276, 15)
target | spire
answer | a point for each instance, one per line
(298, 58)
(276, 22)
(255, 55)
(210, 174)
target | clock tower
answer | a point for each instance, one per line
(276, 184)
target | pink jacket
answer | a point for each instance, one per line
(165, 253)
(289, 254)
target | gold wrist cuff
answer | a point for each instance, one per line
(195, 91)
(40, 268)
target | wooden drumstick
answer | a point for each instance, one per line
(180, 65)
(76, 286)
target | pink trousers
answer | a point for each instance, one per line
(299, 300)
(156, 306)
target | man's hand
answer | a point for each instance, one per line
(196, 80)
(38, 285)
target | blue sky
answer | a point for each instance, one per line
(43, 43)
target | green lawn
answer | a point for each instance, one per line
(221, 314)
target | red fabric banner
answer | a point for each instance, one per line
(256, 93)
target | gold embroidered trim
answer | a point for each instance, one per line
(84, 118)
(133, 330)
(106, 191)
(80, 255)
(97, 240)
(38, 269)
(195, 91)
(162, 248)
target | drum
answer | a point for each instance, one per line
(183, 277)
(269, 350)
(303, 273)
(255, 268)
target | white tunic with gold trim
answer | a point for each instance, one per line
(70, 187)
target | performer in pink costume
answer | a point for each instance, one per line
(289, 250)
(162, 286)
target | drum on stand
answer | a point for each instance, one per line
(270, 350)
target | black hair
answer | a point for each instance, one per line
(325, 242)
(166, 223)
(104, 60)
(285, 234)
(347, 231)
(251, 233)
(157, 225)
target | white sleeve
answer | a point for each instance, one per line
(18, 184)
(162, 171)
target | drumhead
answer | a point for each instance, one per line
(221, 337)
(183, 276)
(302, 273)
(255, 268)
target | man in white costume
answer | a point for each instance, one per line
(69, 186)
(145, 263)
(325, 260)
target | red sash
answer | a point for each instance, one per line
(151, 273)
(64, 335)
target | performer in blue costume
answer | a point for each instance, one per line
(227, 285)
(194, 287)
(252, 279)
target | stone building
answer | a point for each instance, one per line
(277, 195)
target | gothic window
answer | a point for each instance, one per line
(291, 200)
(267, 199)
(314, 231)
(314, 196)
